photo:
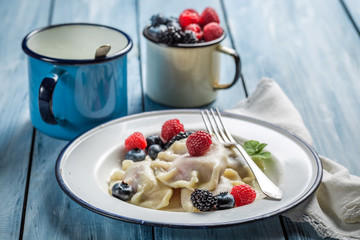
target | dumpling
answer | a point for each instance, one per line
(183, 171)
(149, 192)
(186, 202)
(229, 179)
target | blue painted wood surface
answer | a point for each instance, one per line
(311, 48)
(353, 9)
(17, 19)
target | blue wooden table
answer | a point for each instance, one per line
(311, 48)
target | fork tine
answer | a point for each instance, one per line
(213, 130)
(219, 128)
(226, 132)
(213, 127)
(206, 122)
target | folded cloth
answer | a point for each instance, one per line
(334, 209)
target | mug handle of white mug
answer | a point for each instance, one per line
(236, 58)
(46, 92)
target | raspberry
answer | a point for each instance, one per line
(135, 140)
(212, 31)
(243, 194)
(198, 143)
(171, 128)
(196, 29)
(207, 16)
(188, 16)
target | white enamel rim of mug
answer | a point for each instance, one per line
(113, 54)
(84, 166)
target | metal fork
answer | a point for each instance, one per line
(214, 125)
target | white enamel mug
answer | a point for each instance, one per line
(186, 75)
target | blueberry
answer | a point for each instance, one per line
(154, 139)
(156, 33)
(225, 200)
(122, 191)
(154, 150)
(135, 154)
(158, 19)
(172, 21)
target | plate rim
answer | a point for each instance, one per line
(78, 200)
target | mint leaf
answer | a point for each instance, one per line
(260, 147)
(255, 150)
(251, 146)
(261, 156)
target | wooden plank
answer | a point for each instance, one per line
(51, 214)
(254, 230)
(17, 19)
(311, 49)
(353, 7)
(226, 99)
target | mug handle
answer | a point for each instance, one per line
(236, 58)
(46, 92)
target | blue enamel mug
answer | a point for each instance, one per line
(77, 77)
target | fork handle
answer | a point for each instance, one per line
(265, 184)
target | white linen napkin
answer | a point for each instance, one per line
(334, 209)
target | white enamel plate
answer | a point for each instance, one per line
(84, 166)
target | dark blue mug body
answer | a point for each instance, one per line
(71, 96)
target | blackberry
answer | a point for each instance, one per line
(172, 35)
(179, 136)
(203, 200)
(188, 37)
